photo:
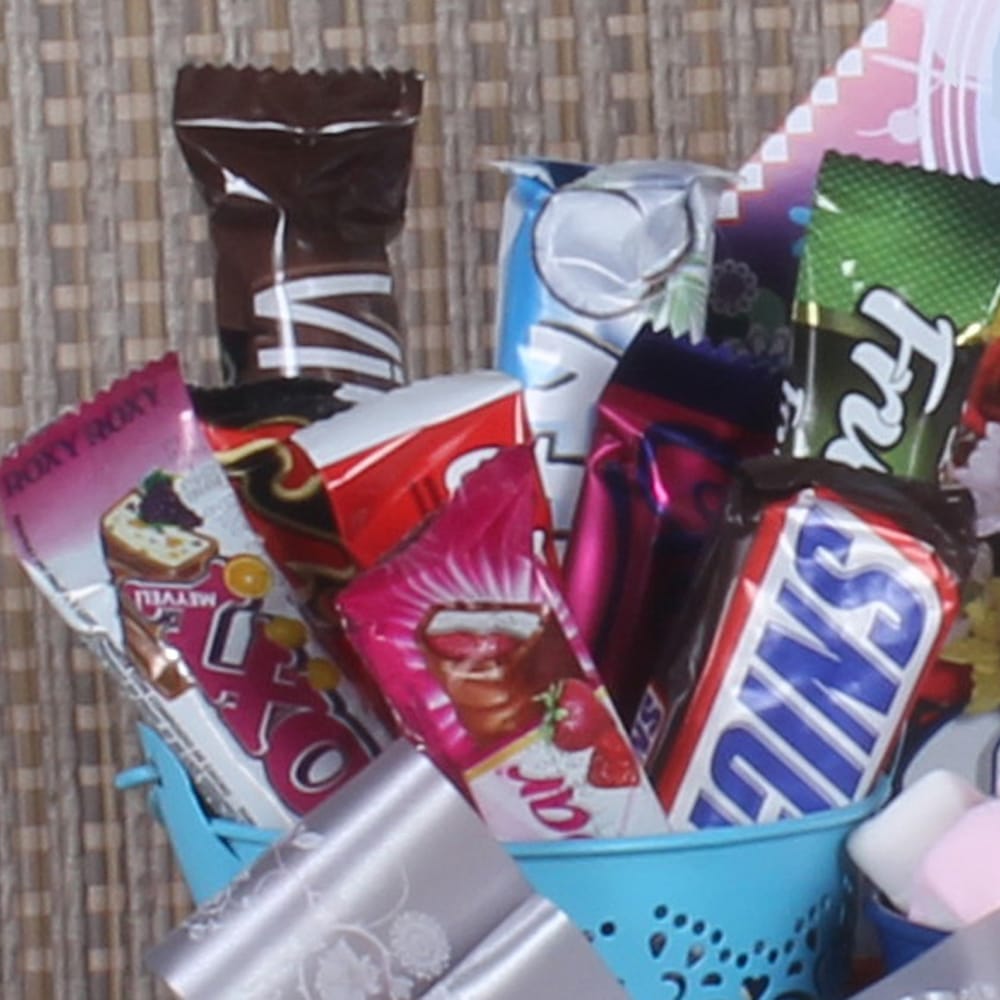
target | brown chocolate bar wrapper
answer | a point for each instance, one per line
(301, 400)
(305, 178)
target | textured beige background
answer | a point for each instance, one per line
(103, 265)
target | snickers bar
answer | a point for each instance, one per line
(826, 595)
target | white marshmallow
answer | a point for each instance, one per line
(889, 847)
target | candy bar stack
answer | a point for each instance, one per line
(642, 578)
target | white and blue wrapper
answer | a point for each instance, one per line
(588, 256)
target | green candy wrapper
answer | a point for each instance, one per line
(898, 283)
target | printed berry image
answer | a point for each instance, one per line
(160, 503)
(613, 764)
(575, 718)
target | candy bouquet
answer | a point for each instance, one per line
(536, 680)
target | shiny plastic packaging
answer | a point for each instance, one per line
(588, 257)
(674, 421)
(125, 521)
(305, 178)
(249, 428)
(392, 461)
(898, 284)
(816, 611)
(470, 640)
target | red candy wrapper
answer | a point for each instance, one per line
(814, 616)
(126, 522)
(389, 462)
(249, 428)
(472, 645)
(672, 425)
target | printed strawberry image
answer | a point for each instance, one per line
(574, 716)
(161, 505)
(613, 764)
(576, 719)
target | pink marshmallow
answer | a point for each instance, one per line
(958, 879)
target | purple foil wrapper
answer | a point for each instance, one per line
(673, 423)
(393, 889)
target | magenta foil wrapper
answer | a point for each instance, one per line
(673, 423)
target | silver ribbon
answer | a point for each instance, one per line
(536, 952)
(391, 889)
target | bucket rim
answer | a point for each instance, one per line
(698, 840)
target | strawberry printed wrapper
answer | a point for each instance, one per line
(157, 569)
(468, 636)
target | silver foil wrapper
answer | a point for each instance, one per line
(535, 952)
(393, 889)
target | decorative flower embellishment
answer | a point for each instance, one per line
(734, 287)
(772, 344)
(211, 915)
(343, 974)
(680, 306)
(419, 943)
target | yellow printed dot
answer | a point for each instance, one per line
(288, 632)
(323, 675)
(247, 576)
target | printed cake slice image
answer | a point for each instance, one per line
(148, 536)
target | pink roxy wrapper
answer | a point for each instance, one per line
(467, 634)
(123, 518)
